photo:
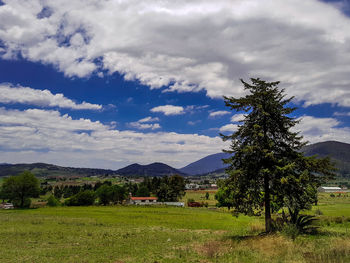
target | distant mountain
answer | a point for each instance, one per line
(338, 151)
(154, 169)
(206, 165)
(43, 169)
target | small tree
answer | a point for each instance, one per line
(119, 194)
(206, 195)
(171, 188)
(20, 188)
(267, 169)
(83, 198)
(143, 191)
(52, 201)
(105, 194)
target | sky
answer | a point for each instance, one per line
(103, 84)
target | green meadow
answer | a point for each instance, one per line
(167, 234)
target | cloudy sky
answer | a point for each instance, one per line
(91, 83)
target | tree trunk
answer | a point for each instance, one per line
(268, 226)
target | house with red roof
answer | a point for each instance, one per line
(143, 200)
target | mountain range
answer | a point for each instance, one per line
(206, 165)
(338, 151)
(153, 169)
(44, 169)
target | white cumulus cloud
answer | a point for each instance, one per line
(238, 117)
(189, 45)
(313, 129)
(322, 129)
(145, 123)
(229, 128)
(169, 110)
(43, 98)
(148, 119)
(218, 113)
(47, 136)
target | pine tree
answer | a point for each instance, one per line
(267, 169)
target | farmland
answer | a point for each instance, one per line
(167, 234)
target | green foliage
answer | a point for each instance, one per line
(291, 231)
(105, 194)
(305, 223)
(119, 194)
(57, 192)
(143, 191)
(83, 198)
(224, 196)
(52, 201)
(171, 188)
(18, 189)
(206, 195)
(267, 170)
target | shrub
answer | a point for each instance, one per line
(338, 220)
(190, 200)
(305, 223)
(291, 231)
(86, 197)
(25, 204)
(52, 201)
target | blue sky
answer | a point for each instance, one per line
(110, 83)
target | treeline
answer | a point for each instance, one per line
(20, 189)
(167, 189)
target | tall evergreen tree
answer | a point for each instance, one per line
(267, 169)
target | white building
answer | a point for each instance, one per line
(191, 186)
(143, 200)
(330, 189)
(6, 206)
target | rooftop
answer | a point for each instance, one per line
(144, 198)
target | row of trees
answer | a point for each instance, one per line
(19, 189)
(166, 188)
(267, 170)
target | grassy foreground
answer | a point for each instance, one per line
(165, 234)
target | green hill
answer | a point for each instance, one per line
(43, 169)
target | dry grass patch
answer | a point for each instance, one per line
(256, 227)
(269, 246)
(337, 252)
(213, 248)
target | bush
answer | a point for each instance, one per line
(305, 223)
(52, 201)
(291, 231)
(26, 203)
(86, 197)
(338, 220)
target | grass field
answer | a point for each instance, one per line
(199, 196)
(166, 234)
